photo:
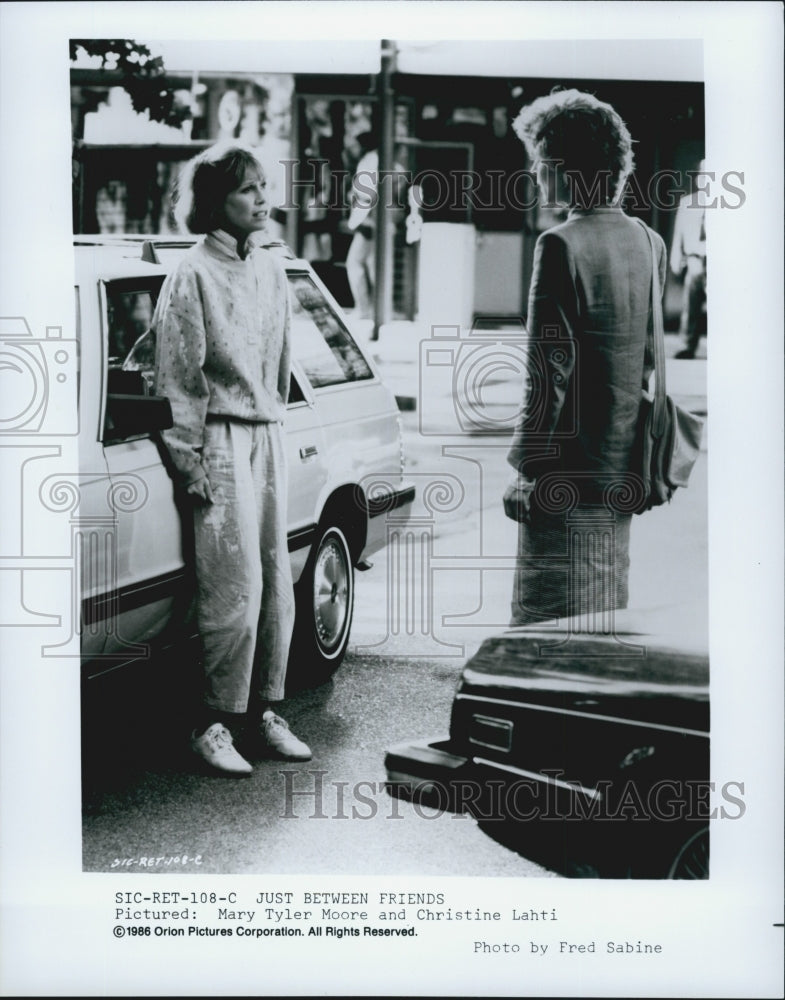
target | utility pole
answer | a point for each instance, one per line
(385, 234)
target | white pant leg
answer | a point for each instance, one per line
(276, 618)
(228, 571)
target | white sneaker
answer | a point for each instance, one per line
(275, 735)
(216, 748)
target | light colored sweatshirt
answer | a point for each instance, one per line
(222, 328)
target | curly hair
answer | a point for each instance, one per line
(207, 179)
(582, 134)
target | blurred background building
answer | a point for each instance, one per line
(452, 104)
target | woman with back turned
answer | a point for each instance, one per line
(589, 358)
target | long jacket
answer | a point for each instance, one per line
(589, 353)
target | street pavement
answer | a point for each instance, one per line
(146, 795)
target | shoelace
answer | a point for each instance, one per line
(276, 720)
(222, 738)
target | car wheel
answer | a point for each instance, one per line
(692, 859)
(325, 606)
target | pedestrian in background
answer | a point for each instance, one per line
(589, 305)
(222, 326)
(365, 192)
(688, 259)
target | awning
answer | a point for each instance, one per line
(586, 59)
(345, 58)
(581, 59)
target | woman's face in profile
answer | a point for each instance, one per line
(245, 209)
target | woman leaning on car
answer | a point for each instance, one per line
(222, 327)
(588, 317)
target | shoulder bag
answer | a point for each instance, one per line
(668, 438)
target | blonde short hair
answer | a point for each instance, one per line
(581, 133)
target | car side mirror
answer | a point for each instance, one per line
(127, 383)
(128, 415)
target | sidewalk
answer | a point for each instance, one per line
(403, 344)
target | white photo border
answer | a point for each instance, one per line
(725, 935)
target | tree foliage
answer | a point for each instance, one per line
(139, 73)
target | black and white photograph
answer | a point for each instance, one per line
(392, 505)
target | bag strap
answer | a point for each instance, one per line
(658, 415)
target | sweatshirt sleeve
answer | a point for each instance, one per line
(550, 354)
(180, 353)
(285, 364)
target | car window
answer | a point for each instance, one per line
(296, 394)
(130, 345)
(129, 312)
(320, 340)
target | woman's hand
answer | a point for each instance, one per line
(517, 498)
(200, 489)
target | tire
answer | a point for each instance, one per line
(692, 859)
(325, 607)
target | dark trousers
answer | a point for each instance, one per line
(692, 320)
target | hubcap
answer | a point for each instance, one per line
(331, 594)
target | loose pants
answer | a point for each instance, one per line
(692, 319)
(245, 601)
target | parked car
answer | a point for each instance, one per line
(582, 748)
(344, 451)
